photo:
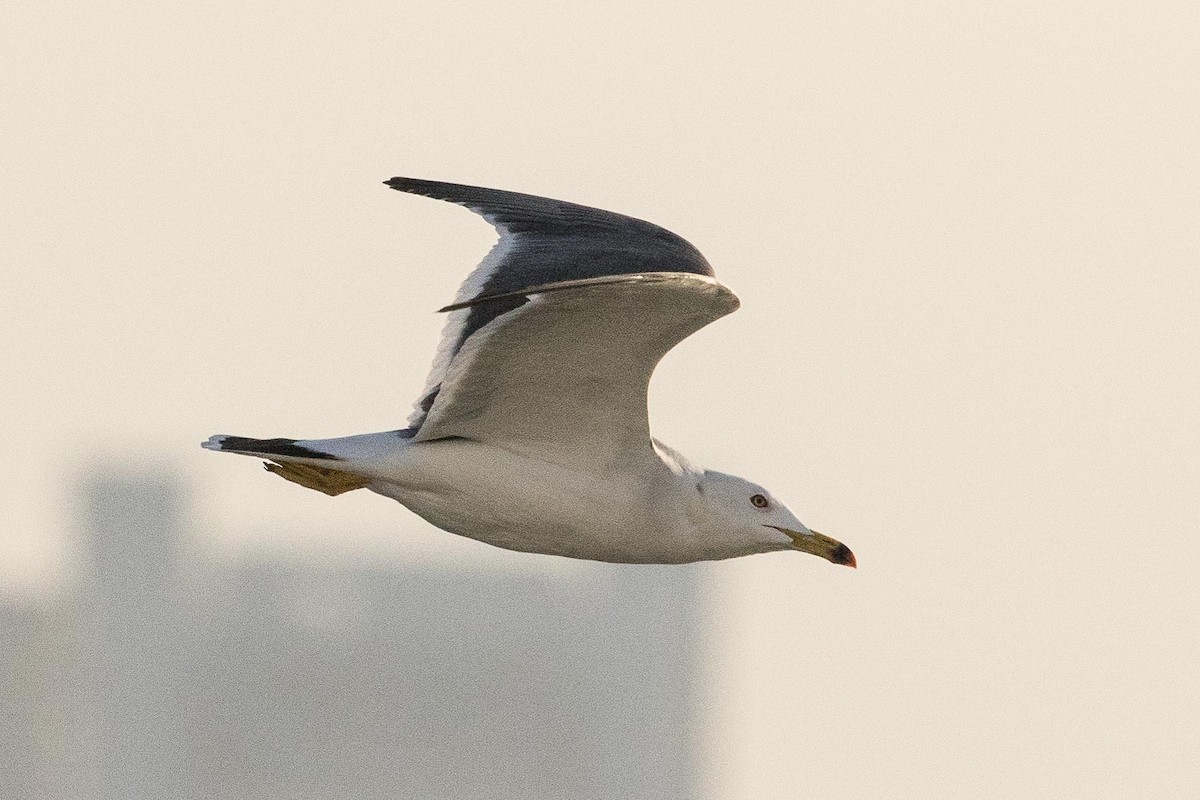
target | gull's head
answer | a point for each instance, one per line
(733, 507)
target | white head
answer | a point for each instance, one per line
(734, 508)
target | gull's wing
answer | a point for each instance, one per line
(563, 378)
(552, 339)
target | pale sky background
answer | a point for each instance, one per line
(965, 240)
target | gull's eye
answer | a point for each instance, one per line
(758, 501)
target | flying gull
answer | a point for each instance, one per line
(532, 433)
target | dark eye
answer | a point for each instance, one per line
(758, 501)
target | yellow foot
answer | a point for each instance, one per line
(330, 481)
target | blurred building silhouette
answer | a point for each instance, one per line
(168, 675)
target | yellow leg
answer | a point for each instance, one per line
(330, 481)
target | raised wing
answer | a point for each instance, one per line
(542, 241)
(563, 377)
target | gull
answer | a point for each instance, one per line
(532, 431)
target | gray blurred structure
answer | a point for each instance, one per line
(174, 676)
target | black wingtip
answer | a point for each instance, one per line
(415, 185)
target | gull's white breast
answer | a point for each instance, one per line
(512, 501)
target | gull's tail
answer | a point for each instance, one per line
(292, 459)
(244, 445)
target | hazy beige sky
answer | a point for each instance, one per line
(964, 236)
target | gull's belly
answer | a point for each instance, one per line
(510, 501)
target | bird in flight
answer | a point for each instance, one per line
(532, 432)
